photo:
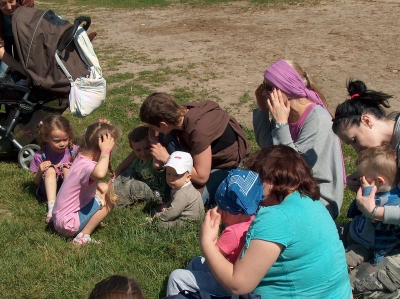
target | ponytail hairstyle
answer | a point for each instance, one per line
(90, 144)
(308, 81)
(361, 101)
(51, 123)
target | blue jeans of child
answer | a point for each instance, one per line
(197, 276)
(88, 211)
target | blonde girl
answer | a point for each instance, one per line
(82, 202)
(51, 163)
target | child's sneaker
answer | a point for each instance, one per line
(83, 239)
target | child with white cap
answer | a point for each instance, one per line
(238, 198)
(186, 202)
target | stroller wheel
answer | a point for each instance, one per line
(25, 155)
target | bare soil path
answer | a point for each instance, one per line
(232, 44)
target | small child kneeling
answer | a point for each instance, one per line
(186, 202)
(238, 198)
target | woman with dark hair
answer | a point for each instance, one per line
(215, 139)
(361, 122)
(292, 246)
(292, 111)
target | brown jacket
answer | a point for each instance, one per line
(204, 123)
(28, 3)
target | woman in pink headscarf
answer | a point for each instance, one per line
(300, 119)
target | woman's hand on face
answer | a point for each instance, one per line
(366, 204)
(106, 142)
(262, 97)
(210, 227)
(1, 53)
(159, 152)
(353, 181)
(153, 136)
(279, 106)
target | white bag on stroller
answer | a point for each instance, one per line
(87, 93)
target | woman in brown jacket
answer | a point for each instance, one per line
(215, 139)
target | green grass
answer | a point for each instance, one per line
(38, 263)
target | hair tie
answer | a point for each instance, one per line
(354, 96)
(40, 123)
(112, 180)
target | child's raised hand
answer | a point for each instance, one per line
(106, 142)
(44, 166)
(210, 227)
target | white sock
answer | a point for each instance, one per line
(50, 206)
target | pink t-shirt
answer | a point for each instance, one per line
(75, 193)
(233, 239)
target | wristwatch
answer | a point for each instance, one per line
(278, 125)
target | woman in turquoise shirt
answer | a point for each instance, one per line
(292, 247)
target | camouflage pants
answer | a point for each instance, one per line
(130, 190)
(379, 281)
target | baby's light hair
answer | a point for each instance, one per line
(379, 161)
(51, 123)
(90, 143)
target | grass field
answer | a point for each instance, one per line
(38, 263)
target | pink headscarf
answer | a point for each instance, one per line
(287, 79)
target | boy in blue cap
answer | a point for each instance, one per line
(238, 198)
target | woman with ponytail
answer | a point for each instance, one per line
(361, 122)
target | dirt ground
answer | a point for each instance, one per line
(233, 44)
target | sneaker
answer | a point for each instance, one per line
(83, 239)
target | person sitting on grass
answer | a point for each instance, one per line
(214, 138)
(364, 236)
(82, 202)
(186, 202)
(238, 198)
(292, 246)
(143, 179)
(51, 163)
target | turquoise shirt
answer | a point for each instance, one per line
(312, 263)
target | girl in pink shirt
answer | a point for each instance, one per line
(82, 202)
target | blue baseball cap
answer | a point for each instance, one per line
(240, 192)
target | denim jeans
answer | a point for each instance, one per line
(197, 276)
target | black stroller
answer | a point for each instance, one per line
(43, 88)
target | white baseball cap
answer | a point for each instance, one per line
(180, 161)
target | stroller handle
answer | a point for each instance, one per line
(71, 35)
